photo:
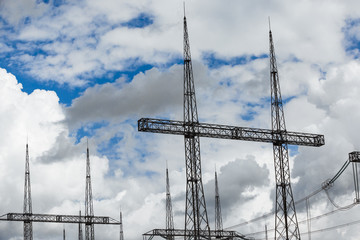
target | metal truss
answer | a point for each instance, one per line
(53, 218)
(204, 234)
(230, 132)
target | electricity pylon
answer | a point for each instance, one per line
(89, 210)
(218, 217)
(28, 232)
(196, 221)
(169, 214)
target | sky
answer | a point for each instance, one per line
(78, 71)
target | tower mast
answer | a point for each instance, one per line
(169, 215)
(196, 219)
(28, 232)
(121, 227)
(218, 218)
(89, 211)
(286, 225)
(80, 228)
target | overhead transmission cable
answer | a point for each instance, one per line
(324, 186)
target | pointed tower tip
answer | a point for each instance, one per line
(184, 9)
(269, 24)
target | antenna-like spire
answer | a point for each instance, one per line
(28, 233)
(64, 232)
(169, 215)
(269, 24)
(121, 227)
(286, 225)
(89, 211)
(218, 217)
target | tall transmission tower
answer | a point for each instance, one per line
(28, 232)
(169, 214)
(80, 229)
(218, 218)
(64, 235)
(196, 221)
(196, 218)
(121, 227)
(89, 210)
(286, 225)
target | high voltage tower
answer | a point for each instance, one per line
(28, 233)
(28, 217)
(196, 220)
(218, 217)
(121, 227)
(169, 213)
(89, 210)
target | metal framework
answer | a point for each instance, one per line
(169, 214)
(121, 227)
(89, 210)
(286, 225)
(204, 234)
(218, 217)
(196, 221)
(354, 158)
(28, 230)
(80, 237)
(229, 132)
(56, 218)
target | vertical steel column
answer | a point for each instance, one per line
(286, 225)
(89, 211)
(169, 215)
(28, 232)
(196, 218)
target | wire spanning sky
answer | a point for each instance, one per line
(77, 70)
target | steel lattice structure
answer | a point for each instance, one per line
(28, 230)
(196, 221)
(218, 217)
(121, 227)
(169, 214)
(58, 218)
(286, 225)
(230, 132)
(80, 229)
(231, 235)
(89, 210)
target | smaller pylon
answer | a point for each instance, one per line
(218, 217)
(28, 232)
(64, 235)
(80, 228)
(169, 215)
(89, 210)
(121, 227)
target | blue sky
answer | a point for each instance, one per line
(91, 69)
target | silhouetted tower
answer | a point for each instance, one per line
(64, 233)
(80, 229)
(286, 225)
(218, 218)
(121, 227)
(28, 232)
(169, 215)
(89, 211)
(196, 218)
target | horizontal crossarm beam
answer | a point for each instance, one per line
(229, 132)
(166, 233)
(23, 217)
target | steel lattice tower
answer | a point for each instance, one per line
(218, 218)
(28, 232)
(89, 210)
(121, 227)
(196, 218)
(80, 229)
(286, 224)
(169, 215)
